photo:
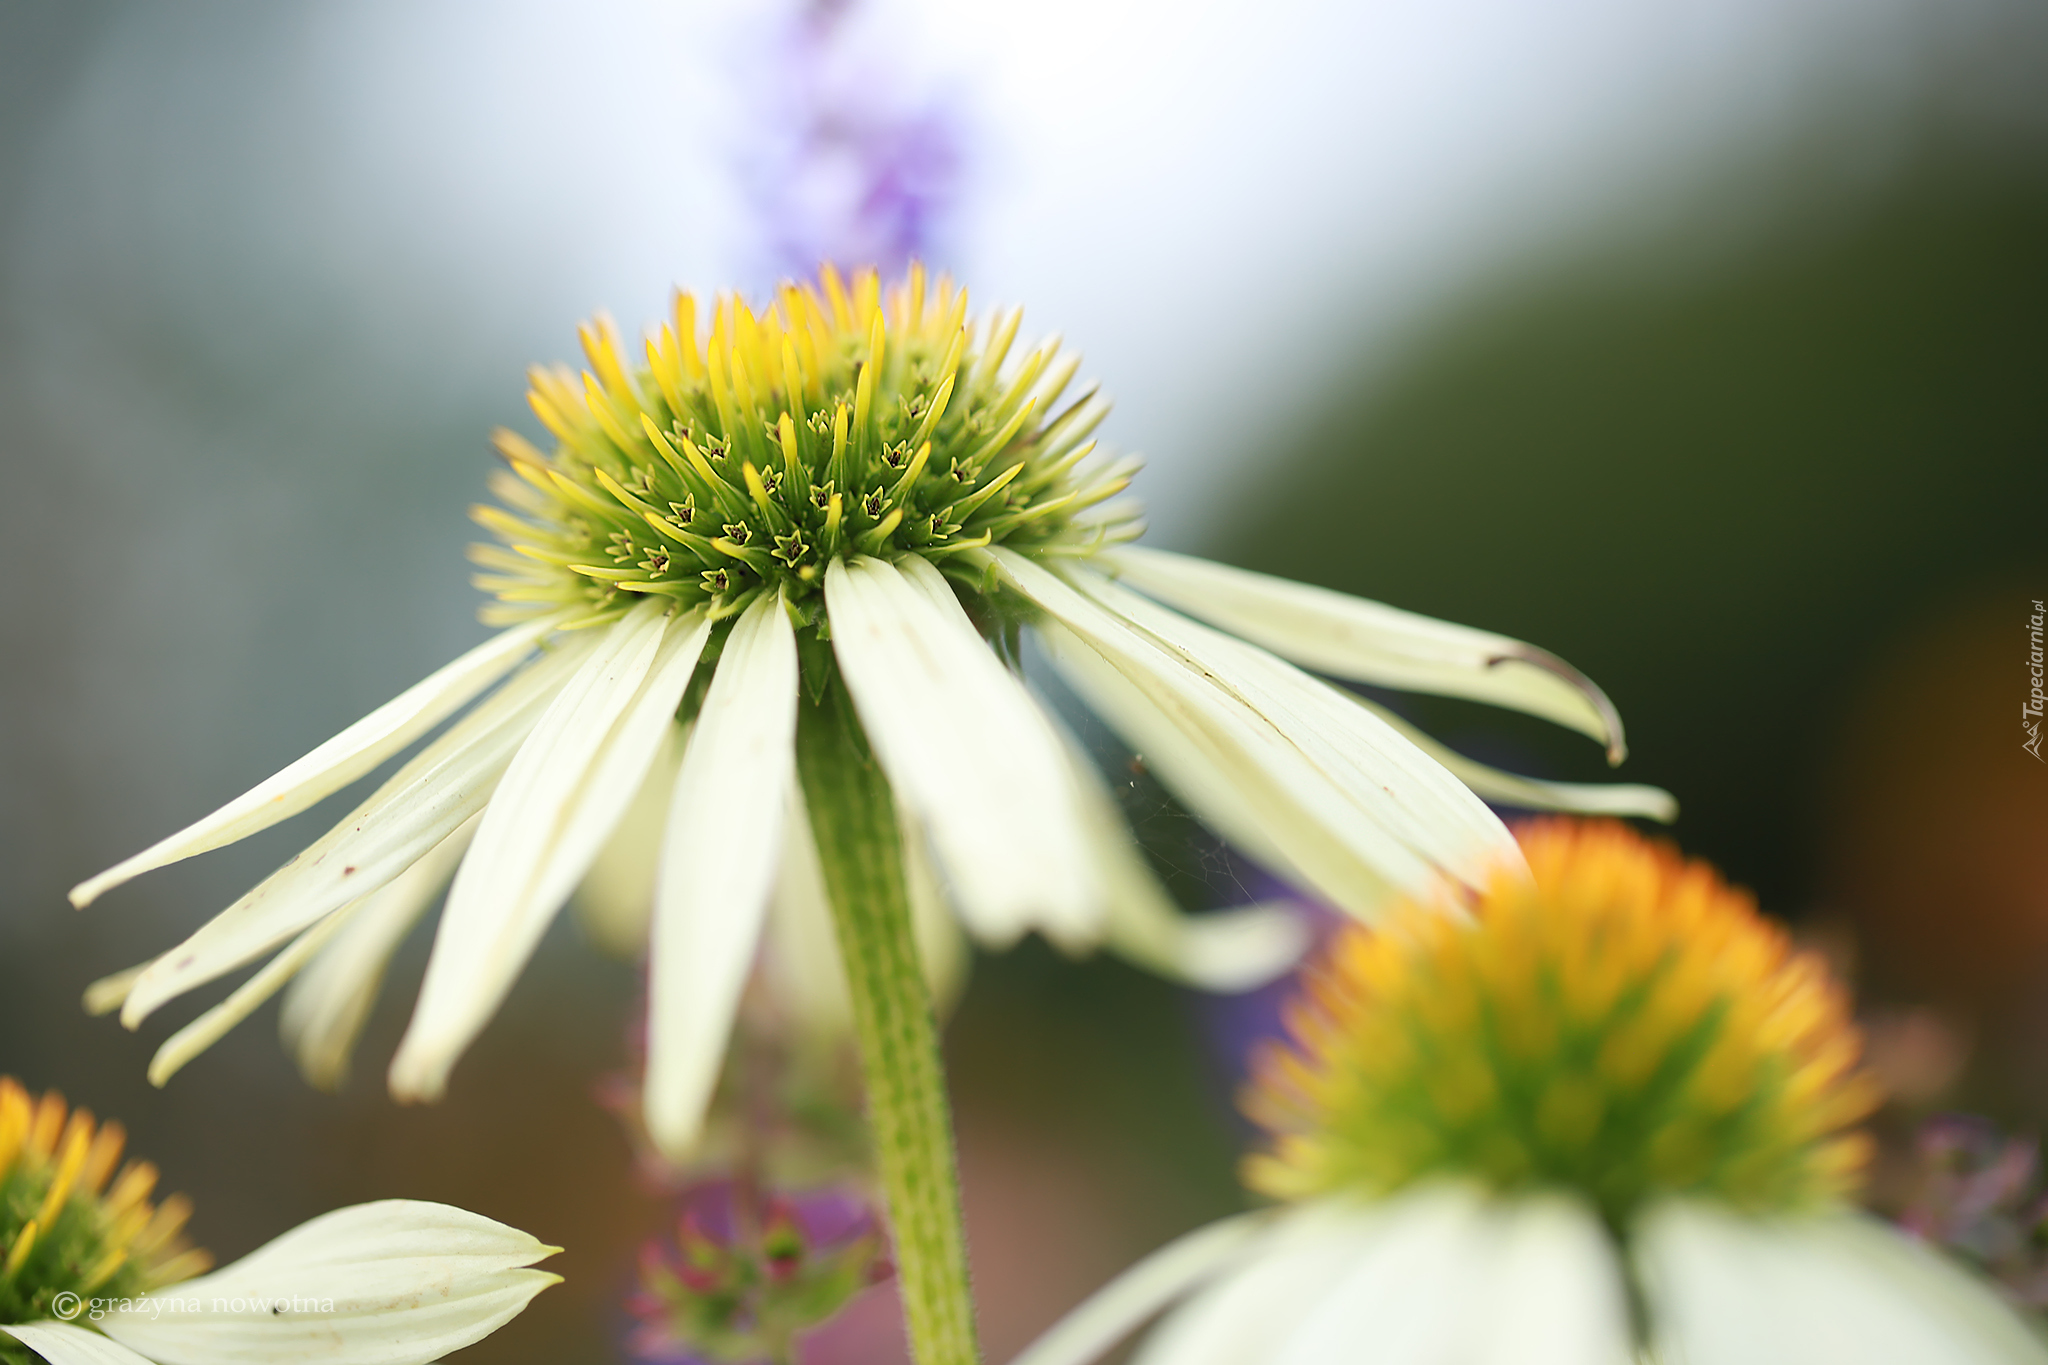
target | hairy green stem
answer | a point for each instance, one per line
(860, 846)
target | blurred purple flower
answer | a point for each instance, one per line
(747, 1276)
(850, 158)
(1977, 1192)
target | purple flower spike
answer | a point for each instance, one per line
(850, 160)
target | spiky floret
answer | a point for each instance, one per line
(65, 1226)
(1623, 1025)
(835, 422)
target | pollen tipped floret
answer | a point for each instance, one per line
(68, 1222)
(1623, 1025)
(836, 422)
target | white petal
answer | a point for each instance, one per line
(1826, 1290)
(1224, 950)
(109, 993)
(616, 900)
(328, 1003)
(1240, 1319)
(397, 1282)
(1711, 1299)
(621, 767)
(210, 1027)
(444, 785)
(1556, 1295)
(965, 748)
(1388, 779)
(1413, 1287)
(1534, 793)
(1246, 739)
(1029, 730)
(1440, 1276)
(718, 860)
(60, 1343)
(1112, 1312)
(1204, 784)
(1445, 1274)
(338, 762)
(1921, 1285)
(561, 795)
(1365, 641)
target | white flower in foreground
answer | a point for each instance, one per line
(839, 496)
(1476, 1110)
(94, 1275)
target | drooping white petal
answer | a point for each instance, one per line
(444, 785)
(110, 992)
(718, 861)
(1388, 779)
(1225, 950)
(1114, 1311)
(560, 797)
(338, 762)
(327, 1004)
(61, 1343)
(1248, 740)
(616, 900)
(1535, 793)
(966, 749)
(1203, 783)
(622, 765)
(1834, 1289)
(398, 1282)
(210, 1027)
(1370, 642)
(1242, 1317)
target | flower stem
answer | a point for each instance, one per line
(860, 848)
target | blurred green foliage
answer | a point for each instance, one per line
(1717, 481)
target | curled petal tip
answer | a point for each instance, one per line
(1610, 719)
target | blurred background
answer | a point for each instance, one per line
(1704, 343)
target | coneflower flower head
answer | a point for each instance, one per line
(1623, 1025)
(835, 424)
(857, 497)
(1598, 1113)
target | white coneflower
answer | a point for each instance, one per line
(1601, 1119)
(802, 534)
(875, 474)
(92, 1274)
